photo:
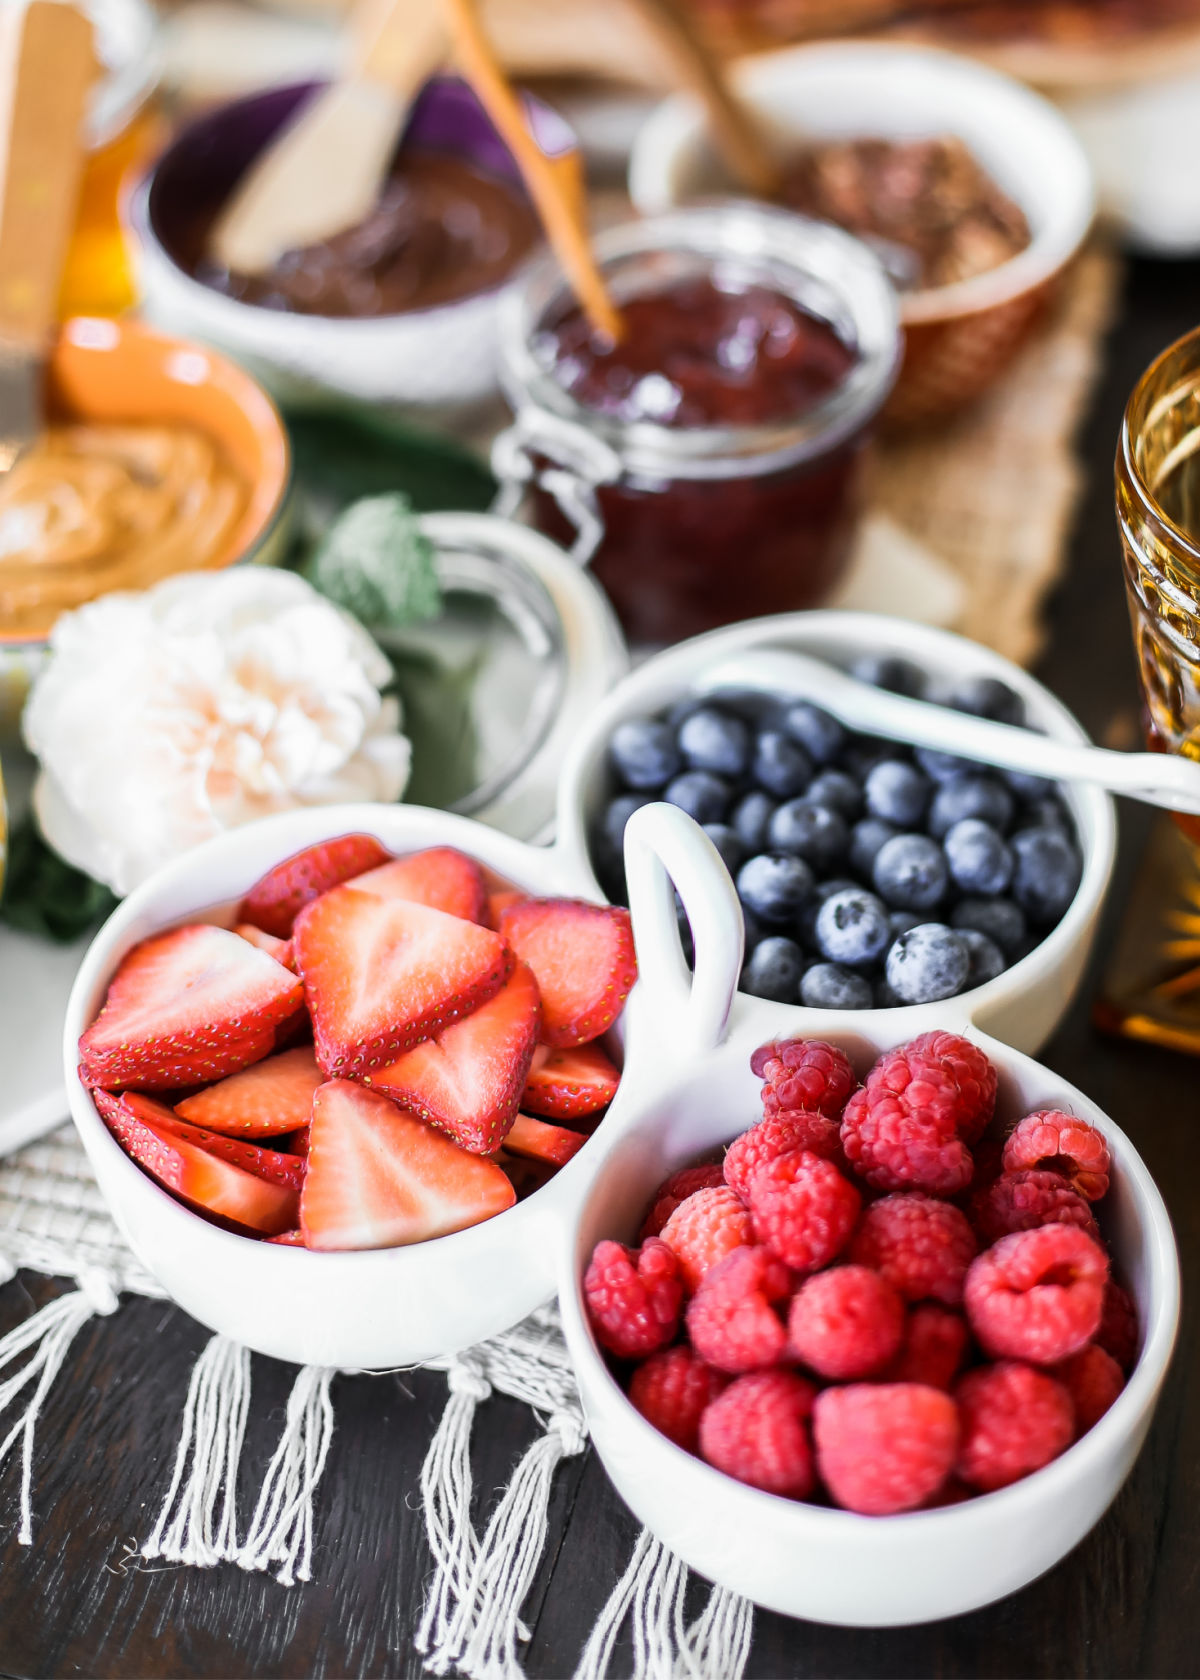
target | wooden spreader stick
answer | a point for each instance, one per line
(555, 183)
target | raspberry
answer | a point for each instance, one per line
(845, 1323)
(671, 1390)
(1063, 1144)
(972, 1073)
(804, 1073)
(757, 1432)
(1021, 1201)
(633, 1297)
(1037, 1295)
(1014, 1420)
(732, 1320)
(803, 1209)
(778, 1135)
(704, 1229)
(1093, 1379)
(921, 1246)
(884, 1447)
(675, 1190)
(900, 1132)
(1118, 1332)
(935, 1340)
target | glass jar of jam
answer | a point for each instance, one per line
(706, 465)
(1158, 515)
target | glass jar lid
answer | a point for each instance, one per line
(827, 272)
(496, 689)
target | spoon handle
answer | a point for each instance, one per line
(1153, 778)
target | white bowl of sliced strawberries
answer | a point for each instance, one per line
(335, 1071)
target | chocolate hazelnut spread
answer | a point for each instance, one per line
(442, 230)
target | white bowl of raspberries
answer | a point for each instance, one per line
(869, 1327)
(871, 877)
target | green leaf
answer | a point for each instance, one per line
(46, 896)
(375, 562)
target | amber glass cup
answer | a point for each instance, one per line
(1158, 514)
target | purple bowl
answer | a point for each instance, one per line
(207, 158)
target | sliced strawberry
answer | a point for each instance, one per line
(498, 902)
(442, 878)
(377, 1177)
(468, 1079)
(280, 949)
(381, 974)
(187, 1007)
(582, 957)
(298, 1143)
(270, 1164)
(289, 1239)
(153, 1136)
(266, 1100)
(279, 897)
(567, 1084)
(540, 1142)
(525, 1174)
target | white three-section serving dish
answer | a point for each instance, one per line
(686, 1086)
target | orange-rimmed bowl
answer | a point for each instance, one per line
(121, 373)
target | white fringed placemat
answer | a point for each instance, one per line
(53, 1220)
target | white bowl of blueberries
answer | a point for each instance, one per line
(871, 875)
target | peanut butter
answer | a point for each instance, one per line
(88, 509)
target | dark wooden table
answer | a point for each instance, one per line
(1126, 1602)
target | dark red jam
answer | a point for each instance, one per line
(696, 354)
(681, 554)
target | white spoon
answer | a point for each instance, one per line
(1154, 778)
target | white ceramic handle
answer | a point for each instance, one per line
(665, 849)
(1154, 778)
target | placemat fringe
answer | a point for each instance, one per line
(281, 1529)
(446, 1502)
(214, 1427)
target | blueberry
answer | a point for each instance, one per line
(863, 754)
(616, 814)
(751, 817)
(910, 873)
(1047, 872)
(979, 860)
(755, 931)
(1026, 786)
(899, 921)
(702, 795)
(775, 888)
(885, 997)
(780, 766)
(829, 986)
(988, 697)
(714, 740)
(822, 891)
(884, 670)
(970, 796)
(644, 753)
(852, 927)
(1002, 921)
(774, 970)
(1047, 811)
(821, 736)
(897, 793)
(987, 959)
(943, 766)
(866, 838)
(928, 963)
(839, 791)
(729, 843)
(812, 832)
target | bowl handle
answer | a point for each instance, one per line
(665, 849)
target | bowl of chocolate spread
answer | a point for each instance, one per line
(400, 308)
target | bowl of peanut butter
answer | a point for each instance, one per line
(156, 456)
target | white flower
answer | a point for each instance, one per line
(163, 717)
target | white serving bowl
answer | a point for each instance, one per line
(959, 337)
(1022, 1006)
(805, 1560)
